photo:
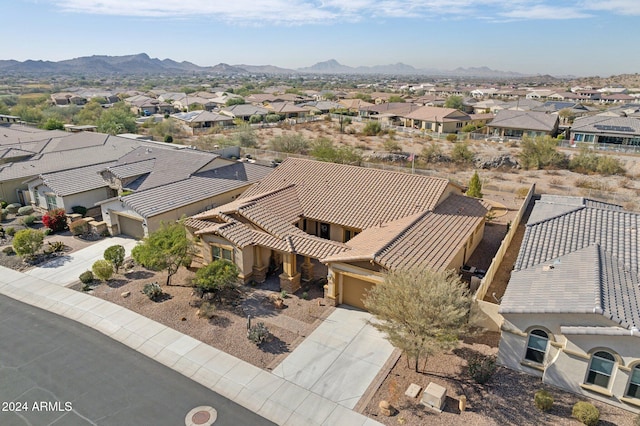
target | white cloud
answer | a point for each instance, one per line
(299, 12)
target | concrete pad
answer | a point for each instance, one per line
(258, 390)
(201, 354)
(275, 412)
(183, 344)
(165, 337)
(314, 409)
(227, 388)
(222, 363)
(289, 395)
(342, 416)
(242, 373)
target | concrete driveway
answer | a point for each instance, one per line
(340, 359)
(66, 269)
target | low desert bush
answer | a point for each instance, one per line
(153, 291)
(207, 310)
(79, 210)
(543, 400)
(11, 231)
(55, 247)
(102, 269)
(13, 208)
(28, 220)
(258, 333)
(27, 242)
(9, 251)
(586, 413)
(522, 192)
(86, 277)
(481, 368)
(452, 137)
(3, 214)
(372, 128)
(24, 211)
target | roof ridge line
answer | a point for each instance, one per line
(401, 233)
(549, 219)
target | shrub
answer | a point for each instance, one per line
(79, 210)
(372, 128)
(452, 137)
(55, 246)
(24, 211)
(86, 277)
(255, 118)
(28, 220)
(294, 143)
(305, 295)
(586, 413)
(102, 269)
(79, 227)
(461, 153)
(11, 231)
(543, 400)
(481, 368)
(541, 152)
(168, 139)
(153, 291)
(522, 192)
(9, 251)
(258, 333)
(272, 118)
(13, 208)
(3, 214)
(3, 204)
(55, 219)
(207, 310)
(216, 276)
(27, 242)
(47, 231)
(284, 294)
(115, 256)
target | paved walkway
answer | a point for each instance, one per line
(66, 269)
(324, 398)
(339, 359)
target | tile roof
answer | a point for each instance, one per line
(353, 196)
(403, 218)
(163, 198)
(580, 259)
(159, 166)
(430, 113)
(529, 120)
(201, 116)
(75, 181)
(607, 124)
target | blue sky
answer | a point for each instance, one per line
(558, 37)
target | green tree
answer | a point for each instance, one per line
(115, 255)
(420, 310)
(53, 124)
(245, 136)
(4, 109)
(396, 98)
(324, 150)
(540, 152)
(475, 186)
(89, 114)
(117, 119)
(453, 102)
(27, 242)
(461, 153)
(102, 269)
(216, 276)
(165, 249)
(292, 143)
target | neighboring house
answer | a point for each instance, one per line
(442, 120)
(144, 105)
(320, 107)
(616, 98)
(200, 121)
(141, 212)
(82, 186)
(34, 152)
(606, 129)
(360, 222)
(66, 99)
(354, 105)
(516, 124)
(572, 306)
(244, 111)
(388, 112)
(286, 109)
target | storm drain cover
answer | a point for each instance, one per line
(201, 416)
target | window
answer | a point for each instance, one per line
(537, 346)
(601, 369)
(51, 202)
(349, 234)
(218, 252)
(634, 383)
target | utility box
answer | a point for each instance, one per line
(434, 396)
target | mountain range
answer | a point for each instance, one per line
(142, 64)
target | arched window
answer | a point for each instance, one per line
(537, 346)
(601, 369)
(633, 391)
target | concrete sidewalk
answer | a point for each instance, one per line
(66, 269)
(339, 359)
(275, 398)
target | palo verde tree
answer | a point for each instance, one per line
(165, 249)
(421, 311)
(475, 186)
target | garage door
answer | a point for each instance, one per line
(353, 291)
(131, 227)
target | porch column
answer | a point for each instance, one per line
(307, 269)
(259, 270)
(330, 294)
(290, 278)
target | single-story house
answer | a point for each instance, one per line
(286, 109)
(572, 306)
(516, 124)
(199, 121)
(244, 111)
(360, 222)
(606, 129)
(442, 120)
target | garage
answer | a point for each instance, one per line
(131, 226)
(353, 291)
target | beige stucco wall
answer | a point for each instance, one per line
(8, 189)
(86, 199)
(567, 360)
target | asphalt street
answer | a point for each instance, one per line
(55, 371)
